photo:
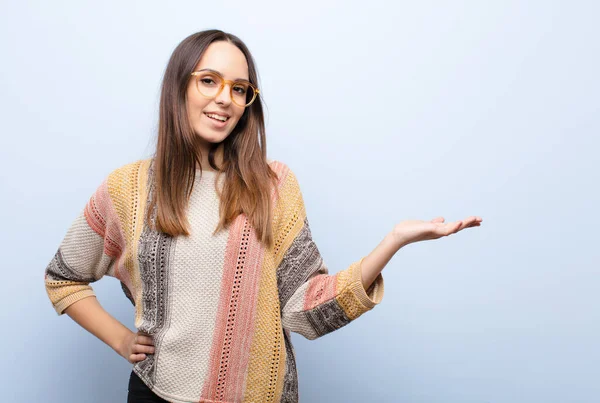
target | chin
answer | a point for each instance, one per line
(213, 139)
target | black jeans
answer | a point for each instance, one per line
(140, 393)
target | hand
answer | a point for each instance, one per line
(135, 346)
(411, 231)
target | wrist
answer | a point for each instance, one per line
(396, 239)
(122, 342)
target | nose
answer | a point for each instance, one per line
(224, 97)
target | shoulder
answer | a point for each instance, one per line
(131, 168)
(289, 195)
(285, 175)
(127, 179)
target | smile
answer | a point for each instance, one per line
(217, 117)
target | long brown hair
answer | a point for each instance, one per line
(248, 176)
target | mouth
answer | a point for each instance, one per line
(216, 117)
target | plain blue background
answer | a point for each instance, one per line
(386, 111)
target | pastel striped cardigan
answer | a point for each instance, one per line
(220, 308)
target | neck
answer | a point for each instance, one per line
(204, 158)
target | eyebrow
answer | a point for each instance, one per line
(218, 72)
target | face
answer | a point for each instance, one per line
(230, 62)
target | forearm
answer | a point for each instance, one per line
(90, 315)
(374, 263)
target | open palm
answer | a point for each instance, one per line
(411, 231)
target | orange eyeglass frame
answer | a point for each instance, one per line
(223, 83)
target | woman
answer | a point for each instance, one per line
(211, 244)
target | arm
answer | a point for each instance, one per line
(90, 315)
(374, 263)
(90, 250)
(406, 232)
(313, 302)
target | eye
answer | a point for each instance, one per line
(240, 89)
(207, 80)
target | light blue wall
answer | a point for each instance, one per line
(386, 111)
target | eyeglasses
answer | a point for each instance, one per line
(210, 84)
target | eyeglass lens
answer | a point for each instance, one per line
(209, 84)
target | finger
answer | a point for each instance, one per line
(457, 226)
(466, 224)
(138, 348)
(141, 339)
(474, 221)
(471, 223)
(137, 357)
(449, 228)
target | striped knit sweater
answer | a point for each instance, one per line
(219, 308)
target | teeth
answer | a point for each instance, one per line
(218, 117)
